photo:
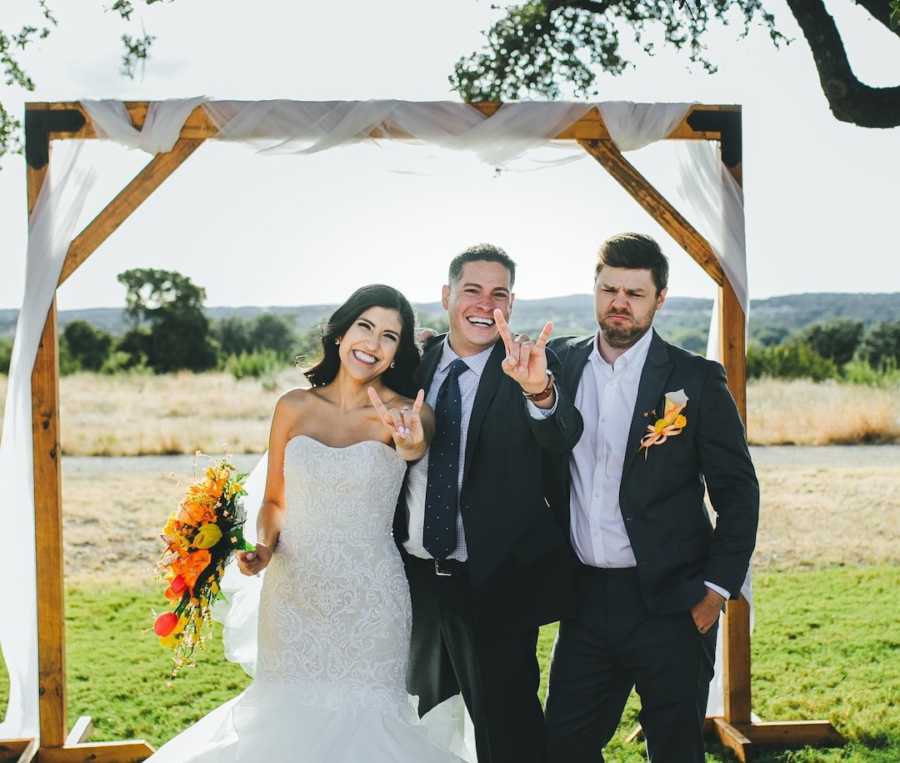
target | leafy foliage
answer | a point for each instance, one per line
(88, 346)
(263, 364)
(794, 360)
(882, 344)
(170, 328)
(537, 46)
(836, 340)
(136, 51)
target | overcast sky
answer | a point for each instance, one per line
(821, 196)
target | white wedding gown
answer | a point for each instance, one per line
(334, 629)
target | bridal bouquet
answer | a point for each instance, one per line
(200, 538)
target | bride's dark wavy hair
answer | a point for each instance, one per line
(406, 361)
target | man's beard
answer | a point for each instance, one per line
(623, 336)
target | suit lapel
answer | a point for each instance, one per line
(651, 388)
(487, 388)
(430, 359)
(574, 363)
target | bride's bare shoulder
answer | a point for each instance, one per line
(295, 400)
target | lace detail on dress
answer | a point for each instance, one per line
(335, 613)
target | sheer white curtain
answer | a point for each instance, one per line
(51, 229)
(280, 127)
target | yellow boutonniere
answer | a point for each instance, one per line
(671, 424)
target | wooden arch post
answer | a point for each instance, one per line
(46, 122)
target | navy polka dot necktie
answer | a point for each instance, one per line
(442, 494)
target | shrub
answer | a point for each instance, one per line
(88, 346)
(256, 365)
(793, 360)
(861, 372)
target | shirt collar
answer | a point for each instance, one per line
(476, 363)
(633, 357)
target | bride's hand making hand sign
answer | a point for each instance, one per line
(405, 424)
(526, 361)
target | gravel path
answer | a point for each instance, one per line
(843, 456)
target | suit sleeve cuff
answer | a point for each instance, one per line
(718, 589)
(543, 413)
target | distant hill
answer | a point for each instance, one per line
(684, 320)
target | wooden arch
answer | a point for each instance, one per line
(47, 122)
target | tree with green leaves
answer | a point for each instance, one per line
(836, 340)
(881, 346)
(550, 48)
(233, 336)
(274, 332)
(169, 326)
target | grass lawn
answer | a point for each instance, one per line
(826, 645)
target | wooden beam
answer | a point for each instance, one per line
(81, 731)
(133, 751)
(736, 662)
(125, 202)
(671, 220)
(17, 750)
(733, 739)
(794, 734)
(198, 125)
(48, 517)
(733, 349)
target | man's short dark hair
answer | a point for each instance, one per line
(482, 253)
(634, 251)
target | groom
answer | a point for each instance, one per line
(654, 573)
(486, 561)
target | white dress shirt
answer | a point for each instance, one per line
(417, 479)
(606, 397)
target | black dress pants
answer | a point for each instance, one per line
(456, 648)
(613, 643)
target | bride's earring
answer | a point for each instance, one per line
(337, 341)
(393, 363)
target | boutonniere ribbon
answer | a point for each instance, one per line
(671, 424)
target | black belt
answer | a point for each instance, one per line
(444, 568)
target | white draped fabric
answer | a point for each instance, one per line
(713, 201)
(51, 229)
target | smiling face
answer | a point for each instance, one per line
(482, 287)
(626, 301)
(370, 343)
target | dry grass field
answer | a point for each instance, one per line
(212, 412)
(805, 413)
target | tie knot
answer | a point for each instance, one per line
(457, 367)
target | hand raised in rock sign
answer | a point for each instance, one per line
(405, 424)
(525, 361)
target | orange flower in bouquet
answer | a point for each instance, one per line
(200, 539)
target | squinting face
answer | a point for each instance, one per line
(625, 301)
(370, 344)
(470, 303)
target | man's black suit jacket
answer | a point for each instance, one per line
(661, 497)
(518, 556)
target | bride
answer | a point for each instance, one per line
(334, 612)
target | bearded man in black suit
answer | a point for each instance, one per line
(660, 430)
(486, 561)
